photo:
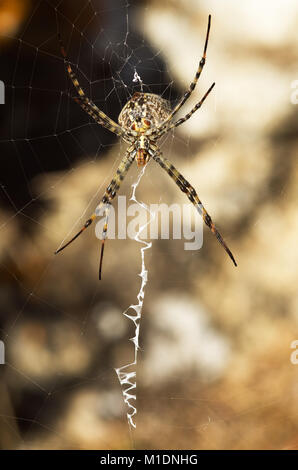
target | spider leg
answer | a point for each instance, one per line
(193, 197)
(104, 236)
(188, 115)
(191, 86)
(86, 103)
(105, 202)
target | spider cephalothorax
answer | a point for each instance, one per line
(142, 113)
(143, 120)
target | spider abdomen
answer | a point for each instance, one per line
(144, 111)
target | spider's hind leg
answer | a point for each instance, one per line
(190, 88)
(86, 103)
(180, 121)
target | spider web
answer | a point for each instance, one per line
(63, 331)
(45, 133)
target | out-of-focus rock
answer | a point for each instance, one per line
(182, 339)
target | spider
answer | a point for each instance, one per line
(144, 119)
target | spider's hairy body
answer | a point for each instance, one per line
(142, 113)
(144, 119)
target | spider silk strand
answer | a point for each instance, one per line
(127, 373)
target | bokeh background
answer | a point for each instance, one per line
(214, 369)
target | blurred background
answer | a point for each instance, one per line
(214, 370)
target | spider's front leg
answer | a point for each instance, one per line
(185, 186)
(105, 202)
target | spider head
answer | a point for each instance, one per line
(142, 145)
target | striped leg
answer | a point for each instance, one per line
(187, 116)
(99, 116)
(105, 202)
(191, 87)
(104, 236)
(193, 197)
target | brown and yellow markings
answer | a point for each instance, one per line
(145, 125)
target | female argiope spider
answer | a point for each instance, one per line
(144, 119)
